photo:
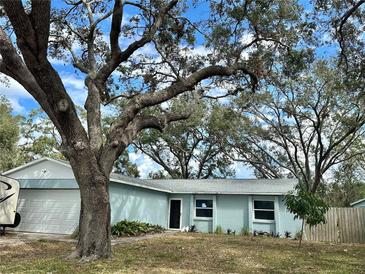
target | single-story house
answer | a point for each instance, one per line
(49, 201)
(359, 203)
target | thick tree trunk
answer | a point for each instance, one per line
(94, 226)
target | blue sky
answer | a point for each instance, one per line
(22, 102)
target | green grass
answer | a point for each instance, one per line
(192, 253)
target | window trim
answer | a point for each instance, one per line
(266, 221)
(195, 208)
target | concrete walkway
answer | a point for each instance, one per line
(20, 238)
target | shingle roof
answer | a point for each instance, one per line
(213, 186)
(198, 186)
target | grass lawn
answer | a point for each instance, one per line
(191, 253)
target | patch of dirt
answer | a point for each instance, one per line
(10, 245)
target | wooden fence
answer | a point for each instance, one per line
(344, 225)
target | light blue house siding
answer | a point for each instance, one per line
(236, 212)
(135, 203)
(232, 212)
(229, 211)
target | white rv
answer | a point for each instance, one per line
(9, 192)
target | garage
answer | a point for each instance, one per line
(49, 210)
(49, 198)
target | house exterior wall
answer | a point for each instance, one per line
(232, 212)
(287, 222)
(360, 204)
(138, 204)
(236, 212)
(48, 183)
(43, 170)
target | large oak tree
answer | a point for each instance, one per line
(109, 43)
(306, 126)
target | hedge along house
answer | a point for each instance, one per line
(49, 201)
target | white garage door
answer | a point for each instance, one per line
(49, 210)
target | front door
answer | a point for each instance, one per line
(175, 212)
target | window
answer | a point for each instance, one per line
(204, 208)
(264, 210)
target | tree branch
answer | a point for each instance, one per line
(342, 22)
(118, 56)
(142, 101)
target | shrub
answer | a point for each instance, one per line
(231, 232)
(287, 234)
(245, 231)
(275, 235)
(218, 230)
(134, 228)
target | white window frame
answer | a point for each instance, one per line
(195, 208)
(263, 220)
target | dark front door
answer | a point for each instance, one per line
(175, 209)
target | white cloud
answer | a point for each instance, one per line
(243, 171)
(14, 92)
(145, 164)
(75, 87)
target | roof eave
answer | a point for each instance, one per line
(140, 185)
(229, 193)
(357, 202)
(35, 162)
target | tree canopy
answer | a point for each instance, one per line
(9, 135)
(190, 149)
(301, 126)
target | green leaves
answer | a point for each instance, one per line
(124, 166)
(306, 206)
(9, 135)
(134, 228)
(193, 148)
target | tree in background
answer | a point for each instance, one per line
(190, 149)
(302, 126)
(124, 166)
(347, 184)
(345, 23)
(119, 68)
(39, 137)
(9, 136)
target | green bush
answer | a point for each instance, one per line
(218, 230)
(134, 228)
